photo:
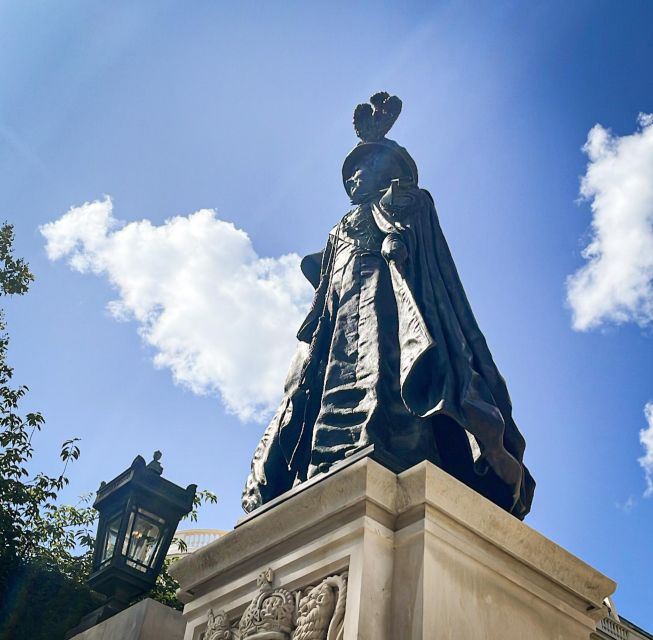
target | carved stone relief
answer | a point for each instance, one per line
(271, 612)
(218, 627)
(314, 613)
(321, 611)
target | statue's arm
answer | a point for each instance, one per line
(394, 248)
(311, 267)
(397, 208)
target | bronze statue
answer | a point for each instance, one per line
(390, 354)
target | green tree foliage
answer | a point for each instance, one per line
(45, 547)
(37, 536)
(32, 526)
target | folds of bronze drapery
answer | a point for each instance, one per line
(390, 353)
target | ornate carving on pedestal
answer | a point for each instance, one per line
(218, 627)
(321, 611)
(270, 616)
(314, 613)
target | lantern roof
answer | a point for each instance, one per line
(145, 479)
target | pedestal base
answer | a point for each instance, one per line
(145, 620)
(409, 556)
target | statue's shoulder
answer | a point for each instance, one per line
(427, 195)
(401, 202)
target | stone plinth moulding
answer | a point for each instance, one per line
(367, 553)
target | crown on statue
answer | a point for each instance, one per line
(373, 119)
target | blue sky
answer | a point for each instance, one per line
(170, 108)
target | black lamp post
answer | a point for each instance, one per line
(139, 513)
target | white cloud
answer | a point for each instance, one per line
(220, 317)
(646, 438)
(616, 283)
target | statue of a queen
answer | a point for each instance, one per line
(390, 353)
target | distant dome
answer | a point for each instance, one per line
(194, 539)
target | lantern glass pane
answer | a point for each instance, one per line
(110, 539)
(144, 535)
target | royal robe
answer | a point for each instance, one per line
(390, 354)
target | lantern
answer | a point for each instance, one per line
(138, 514)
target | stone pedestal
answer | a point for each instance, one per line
(423, 556)
(145, 620)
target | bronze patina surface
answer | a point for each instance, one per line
(390, 353)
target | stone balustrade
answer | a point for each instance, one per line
(613, 629)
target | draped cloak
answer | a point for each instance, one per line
(448, 384)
